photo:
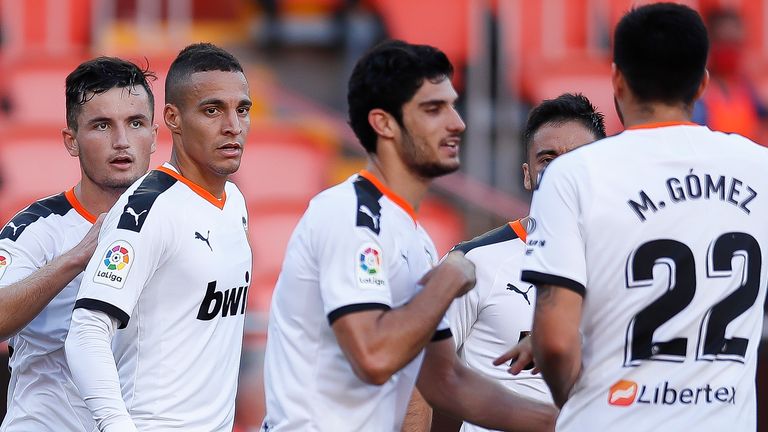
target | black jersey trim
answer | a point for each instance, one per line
(102, 306)
(368, 205)
(538, 278)
(358, 307)
(442, 335)
(56, 204)
(141, 200)
(494, 236)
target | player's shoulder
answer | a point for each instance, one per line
(492, 239)
(36, 216)
(356, 202)
(142, 198)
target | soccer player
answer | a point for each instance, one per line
(648, 248)
(358, 298)
(172, 268)
(498, 313)
(45, 247)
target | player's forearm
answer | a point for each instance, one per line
(403, 332)
(22, 301)
(419, 415)
(93, 369)
(560, 371)
(477, 399)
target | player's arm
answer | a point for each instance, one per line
(90, 358)
(379, 343)
(557, 341)
(22, 301)
(418, 418)
(451, 387)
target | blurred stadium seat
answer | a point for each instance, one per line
(279, 170)
(33, 169)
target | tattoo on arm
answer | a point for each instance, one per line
(545, 295)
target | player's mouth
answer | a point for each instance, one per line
(230, 150)
(122, 162)
(451, 146)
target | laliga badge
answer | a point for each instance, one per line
(370, 267)
(5, 261)
(115, 265)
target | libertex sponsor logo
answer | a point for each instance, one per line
(626, 393)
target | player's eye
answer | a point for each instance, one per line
(243, 110)
(211, 110)
(101, 126)
(136, 124)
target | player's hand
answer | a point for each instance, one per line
(456, 268)
(84, 250)
(521, 355)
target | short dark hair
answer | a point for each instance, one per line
(661, 49)
(199, 57)
(387, 77)
(564, 108)
(100, 75)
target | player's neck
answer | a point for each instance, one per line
(648, 113)
(400, 180)
(212, 183)
(94, 198)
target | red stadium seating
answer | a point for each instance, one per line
(443, 223)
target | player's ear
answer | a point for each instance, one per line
(617, 81)
(382, 123)
(172, 118)
(70, 142)
(527, 177)
(703, 85)
(154, 138)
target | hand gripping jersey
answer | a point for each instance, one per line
(494, 316)
(358, 247)
(662, 230)
(173, 267)
(41, 394)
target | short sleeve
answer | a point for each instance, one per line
(20, 258)
(124, 261)
(555, 250)
(352, 262)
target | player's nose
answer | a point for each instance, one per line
(232, 124)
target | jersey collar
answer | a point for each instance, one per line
(72, 198)
(519, 229)
(662, 124)
(397, 199)
(171, 171)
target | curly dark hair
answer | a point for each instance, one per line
(564, 108)
(100, 75)
(387, 77)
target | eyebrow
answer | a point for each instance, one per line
(218, 102)
(436, 102)
(546, 153)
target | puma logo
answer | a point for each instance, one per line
(13, 225)
(365, 210)
(132, 212)
(199, 236)
(517, 290)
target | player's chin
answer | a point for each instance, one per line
(227, 167)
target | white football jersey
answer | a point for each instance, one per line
(494, 316)
(358, 247)
(41, 394)
(173, 267)
(662, 229)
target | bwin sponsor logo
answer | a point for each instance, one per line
(230, 302)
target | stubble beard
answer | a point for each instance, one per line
(417, 160)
